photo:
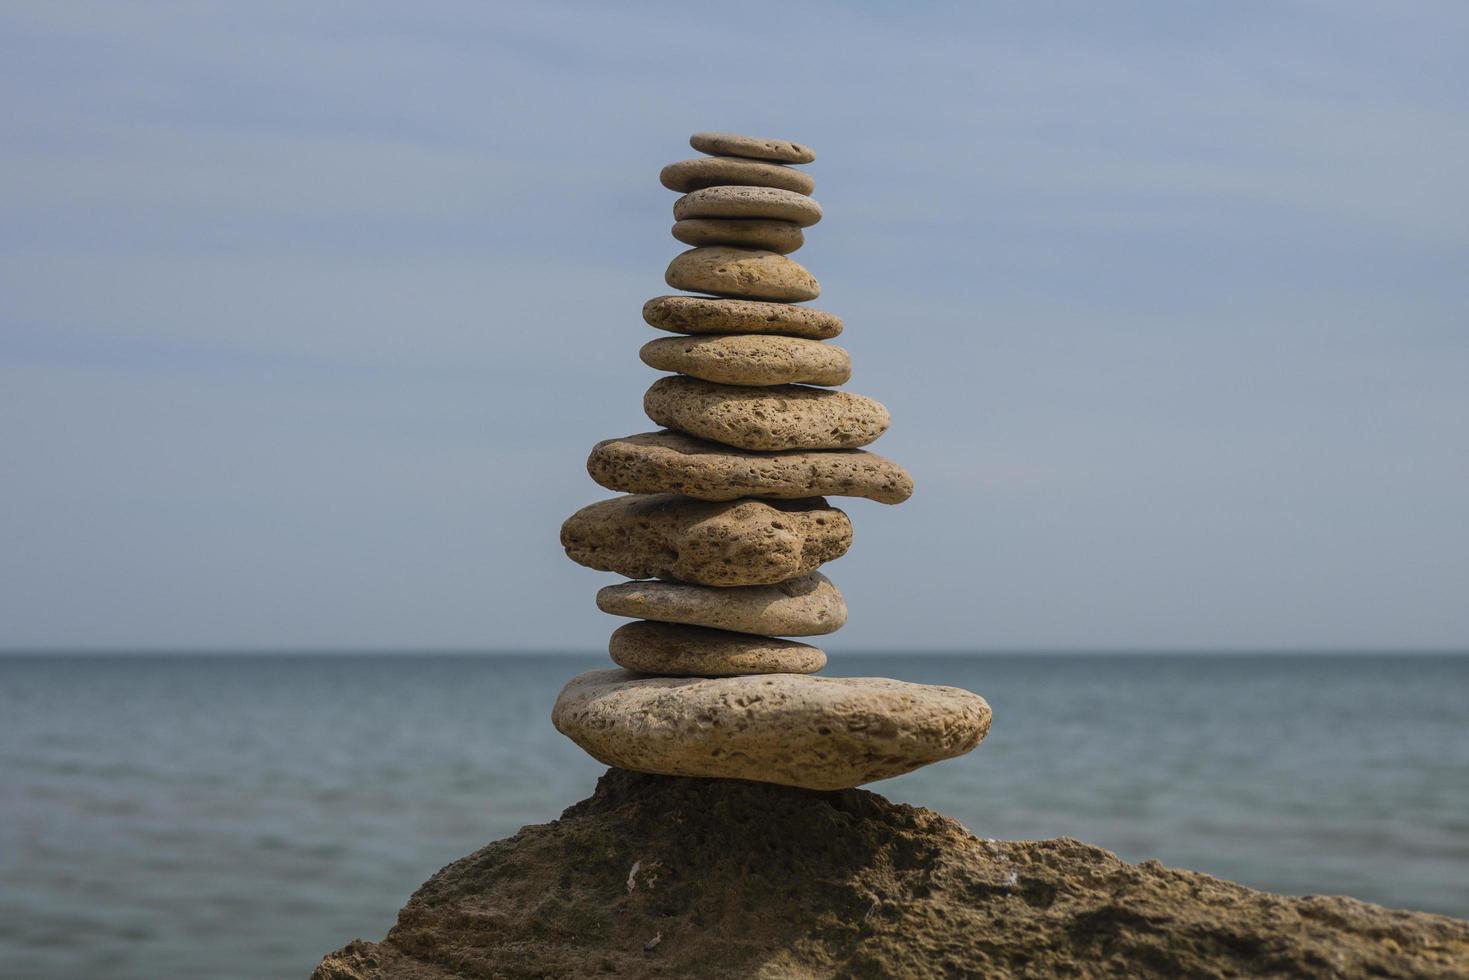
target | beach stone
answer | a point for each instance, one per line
(808, 605)
(814, 732)
(742, 272)
(703, 314)
(735, 145)
(672, 462)
(748, 202)
(683, 651)
(780, 417)
(750, 359)
(738, 542)
(701, 172)
(773, 236)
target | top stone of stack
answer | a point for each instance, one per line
(735, 145)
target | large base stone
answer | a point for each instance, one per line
(661, 877)
(794, 729)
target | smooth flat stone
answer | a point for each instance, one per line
(773, 236)
(701, 172)
(741, 272)
(816, 732)
(735, 145)
(702, 314)
(694, 651)
(808, 605)
(748, 202)
(738, 542)
(782, 417)
(750, 359)
(672, 462)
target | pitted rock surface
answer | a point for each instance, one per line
(759, 148)
(770, 203)
(793, 729)
(701, 172)
(738, 542)
(668, 649)
(745, 273)
(671, 462)
(776, 418)
(808, 605)
(704, 314)
(773, 236)
(750, 359)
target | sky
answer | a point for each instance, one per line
(310, 313)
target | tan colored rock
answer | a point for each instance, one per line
(782, 417)
(671, 462)
(793, 729)
(773, 236)
(702, 314)
(771, 203)
(742, 272)
(808, 605)
(701, 172)
(750, 359)
(739, 542)
(735, 145)
(693, 651)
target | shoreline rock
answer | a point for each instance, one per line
(657, 876)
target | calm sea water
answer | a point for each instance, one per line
(239, 816)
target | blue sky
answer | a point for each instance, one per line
(311, 312)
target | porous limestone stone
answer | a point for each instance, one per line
(741, 272)
(738, 542)
(701, 172)
(815, 732)
(780, 417)
(773, 236)
(694, 651)
(735, 145)
(750, 359)
(808, 605)
(671, 462)
(748, 202)
(702, 314)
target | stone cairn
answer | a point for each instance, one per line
(724, 523)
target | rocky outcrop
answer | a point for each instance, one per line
(660, 876)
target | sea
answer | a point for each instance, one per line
(238, 816)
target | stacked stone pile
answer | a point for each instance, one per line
(724, 524)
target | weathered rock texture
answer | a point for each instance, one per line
(703, 314)
(701, 172)
(792, 729)
(741, 542)
(735, 145)
(774, 236)
(748, 202)
(808, 605)
(662, 877)
(694, 651)
(671, 462)
(750, 359)
(779, 417)
(741, 272)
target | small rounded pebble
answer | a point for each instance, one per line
(748, 202)
(774, 236)
(701, 314)
(701, 172)
(750, 359)
(808, 605)
(696, 651)
(742, 272)
(780, 417)
(735, 145)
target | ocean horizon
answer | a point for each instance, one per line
(239, 814)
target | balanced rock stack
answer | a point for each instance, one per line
(724, 523)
